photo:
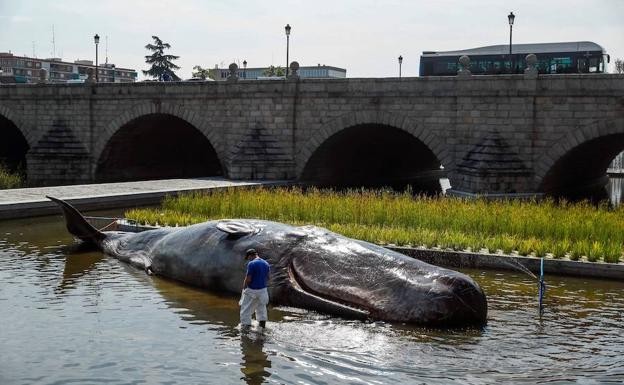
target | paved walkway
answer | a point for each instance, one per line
(30, 202)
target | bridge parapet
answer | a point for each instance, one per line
(272, 129)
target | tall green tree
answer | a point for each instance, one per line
(161, 64)
(204, 73)
(274, 71)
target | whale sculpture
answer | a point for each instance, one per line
(311, 268)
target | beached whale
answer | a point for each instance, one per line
(311, 268)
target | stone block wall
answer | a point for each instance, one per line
(493, 134)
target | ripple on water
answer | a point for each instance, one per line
(102, 321)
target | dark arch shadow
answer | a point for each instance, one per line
(157, 146)
(13, 147)
(373, 155)
(582, 172)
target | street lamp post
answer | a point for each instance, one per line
(400, 62)
(287, 29)
(96, 39)
(244, 69)
(511, 18)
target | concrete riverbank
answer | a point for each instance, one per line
(564, 267)
(31, 202)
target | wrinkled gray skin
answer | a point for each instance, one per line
(311, 268)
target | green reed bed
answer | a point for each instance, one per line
(8, 179)
(545, 228)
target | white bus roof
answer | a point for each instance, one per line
(503, 49)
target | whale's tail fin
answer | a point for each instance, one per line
(77, 225)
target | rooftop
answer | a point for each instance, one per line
(535, 48)
(60, 61)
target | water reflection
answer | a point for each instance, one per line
(77, 264)
(220, 312)
(255, 360)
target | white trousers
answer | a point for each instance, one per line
(253, 301)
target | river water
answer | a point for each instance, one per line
(70, 316)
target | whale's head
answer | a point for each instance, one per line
(322, 270)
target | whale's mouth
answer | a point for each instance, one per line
(324, 302)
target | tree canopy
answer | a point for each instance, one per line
(204, 73)
(274, 71)
(161, 64)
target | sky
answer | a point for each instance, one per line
(364, 36)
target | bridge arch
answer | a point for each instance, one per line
(156, 107)
(575, 167)
(14, 143)
(372, 149)
(155, 143)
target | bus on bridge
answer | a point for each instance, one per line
(552, 58)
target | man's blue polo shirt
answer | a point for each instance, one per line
(258, 270)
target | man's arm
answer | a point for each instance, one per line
(247, 279)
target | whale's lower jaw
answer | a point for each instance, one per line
(299, 295)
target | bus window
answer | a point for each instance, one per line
(560, 64)
(593, 64)
(582, 65)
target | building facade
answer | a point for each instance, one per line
(22, 69)
(319, 72)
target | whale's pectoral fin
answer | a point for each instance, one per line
(236, 228)
(77, 225)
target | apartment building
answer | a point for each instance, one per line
(319, 71)
(23, 69)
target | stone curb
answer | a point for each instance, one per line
(43, 207)
(461, 259)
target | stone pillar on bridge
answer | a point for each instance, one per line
(58, 158)
(492, 168)
(496, 134)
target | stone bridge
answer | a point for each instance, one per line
(493, 135)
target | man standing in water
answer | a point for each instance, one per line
(255, 297)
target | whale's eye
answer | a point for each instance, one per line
(236, 228)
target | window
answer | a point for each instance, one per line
(561, 64)
(593, 64)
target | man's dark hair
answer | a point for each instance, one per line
(250, 252)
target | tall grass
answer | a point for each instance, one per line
(574, 230)
(8, 179)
